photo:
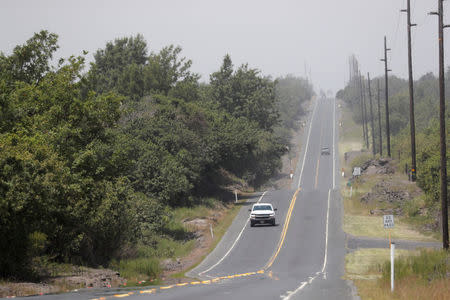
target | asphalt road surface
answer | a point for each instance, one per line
(302, 257)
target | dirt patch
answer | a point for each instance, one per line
(75, 278)
(390, 192)
(390, 195)
(22, 289)
(378, 166)
(201, 229)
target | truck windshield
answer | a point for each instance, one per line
(262, 207)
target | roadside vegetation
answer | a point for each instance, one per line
(364, 206)
(418, 274)
(103, 164)
(380, 190)
(384, 188)
(426, 95)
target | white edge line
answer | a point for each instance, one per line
(334, 143)
(296, 291)
(234, 244)
(311, 279)
(326, 234)
(307, 143)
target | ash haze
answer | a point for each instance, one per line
(277, 37)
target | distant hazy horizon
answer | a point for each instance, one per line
(277, 37)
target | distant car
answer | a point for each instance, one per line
(262, 213)
(325, 151)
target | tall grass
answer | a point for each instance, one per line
(428, 265)
(138, 268)
(419, 276)
(408, 288)
(175, 241)
(166, 248)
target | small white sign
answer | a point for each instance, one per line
(357, 171)
(388, 221)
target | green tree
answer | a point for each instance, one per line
(165, 69)
(119, 67)
(31, 61)
(245, 93)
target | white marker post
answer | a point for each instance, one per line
(388, 221)
(235, 196)
(392, 266)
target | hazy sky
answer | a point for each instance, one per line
(277, 37)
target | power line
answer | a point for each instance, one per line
(379, 118)
(411, 93)
(362, 106)
(371, 115)
(443, 161)
(386, 87)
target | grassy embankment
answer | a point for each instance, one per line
(146, 270)
(416, 273)
(219, 230)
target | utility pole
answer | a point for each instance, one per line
(362, 106)
(379, 118)
(352, 68)
(444, 205)
(371, 115)
(365, 115)
(386, 70)
(411, 94)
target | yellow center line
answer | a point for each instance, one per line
(166, 287)
(269, 263)
(271, 260)
(317, 173)
(182, 284)
(318, 159)
(284, 231)
(206, 282)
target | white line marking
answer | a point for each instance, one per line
(326, 235)
(311, 279)
(334, 143)
(304, 283)
(234, 244)
(307, 143)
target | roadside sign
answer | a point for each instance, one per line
(357, 171)
(388, 221)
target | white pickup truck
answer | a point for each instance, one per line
(262, 213)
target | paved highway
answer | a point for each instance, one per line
(302, 257)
